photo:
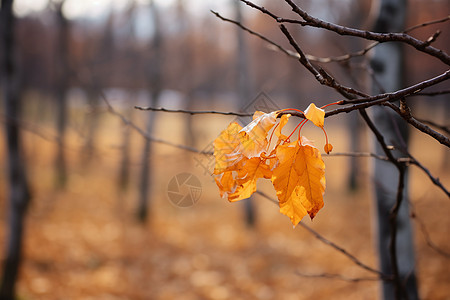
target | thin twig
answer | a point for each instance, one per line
(276, 46)
(447, 18)
(445, 128)
(433, 179)
(406, 92)
(426, 235)
(336, 276)
(405, 113)
(333, 245)
(321, 76)
(357, 154)
(438, 93)
(368, 35)
(146, 135)
(193, 112)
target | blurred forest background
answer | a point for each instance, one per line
(100, 224)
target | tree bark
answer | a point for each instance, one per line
(18, 188)
(388, 66)
(61, 93)
(244, 92)
(155, 81)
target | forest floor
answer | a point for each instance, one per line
(84, 242)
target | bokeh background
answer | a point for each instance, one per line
(88, 234)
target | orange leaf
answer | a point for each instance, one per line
(240, 183)
(283, 121)
(299, 179)
(225, 148)
(254, 135)
(315, 115)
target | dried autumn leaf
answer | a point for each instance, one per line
(299, 179)
(249, 171)
(240, 182)
(254, 135)
(315, 115)
(283, 121)
(225, 146)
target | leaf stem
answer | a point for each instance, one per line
(334, 103)
(294, 109)
(303, 121)
(326, 136)
(271, 135)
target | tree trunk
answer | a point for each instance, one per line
(388, 66)
(187, 65)
(124, 170)
(18, 188)
(61, 93)
(155, 81)
(244, 92)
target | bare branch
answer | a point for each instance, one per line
(406, 92)
(192, 112)
(368, 35)
(357, 154)
(333, 245)
(336, 276)
(321, 76)
(427, 237)
(438, 93)
(405, 113)
(274, 44)
(146, 135)
(435, 180)
(445, 128)
(277, 47)
(447, 18)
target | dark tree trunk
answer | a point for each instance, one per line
(388, 66)
(18, 188)
(124, 170)
(187, 68)
(155, 82)
(244, 92)
(61, 93)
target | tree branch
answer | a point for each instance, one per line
(144, 134)
(405, 113)
(276, 46)
(321, 76)
(368, 35)
(192, 112)
(336, 276)
(444, 128)
(333, 245)
(427, 237)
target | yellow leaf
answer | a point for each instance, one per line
(315, 115)
(299, 179)
(225, 182)
(225, 148)
(254, 135)
(283, 121)
(240, 183)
